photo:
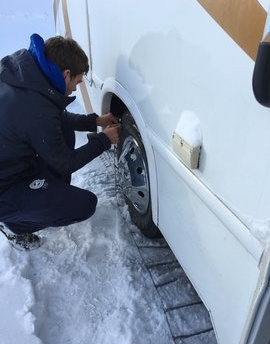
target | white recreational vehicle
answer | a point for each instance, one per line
(194, 157)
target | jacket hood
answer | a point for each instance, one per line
(48, 67)
(21, 70)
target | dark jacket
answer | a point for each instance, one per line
(31, 124)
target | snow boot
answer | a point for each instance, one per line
(28, 241)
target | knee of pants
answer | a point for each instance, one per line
(88, 204)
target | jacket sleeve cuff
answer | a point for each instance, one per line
(93, 117)
(105, 141)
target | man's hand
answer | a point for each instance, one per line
(107, 119)
(113, 132)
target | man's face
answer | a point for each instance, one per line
(71, 82)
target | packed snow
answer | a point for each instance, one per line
(189, 128)
(85, 284)
(19, 19)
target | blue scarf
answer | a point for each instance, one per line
(50, 69)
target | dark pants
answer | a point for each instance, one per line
(45, 201)
(52, 203)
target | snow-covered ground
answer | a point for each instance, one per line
(19, 19)
(87, 283)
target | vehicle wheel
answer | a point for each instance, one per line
(134, 177)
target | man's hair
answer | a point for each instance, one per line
(67, 54)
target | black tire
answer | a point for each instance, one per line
(134, 177)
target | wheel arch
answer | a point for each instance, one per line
(115, 98)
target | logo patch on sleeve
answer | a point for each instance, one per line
(38, 184)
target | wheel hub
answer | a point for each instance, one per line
(133, 175)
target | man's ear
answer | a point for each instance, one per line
(66, 73)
